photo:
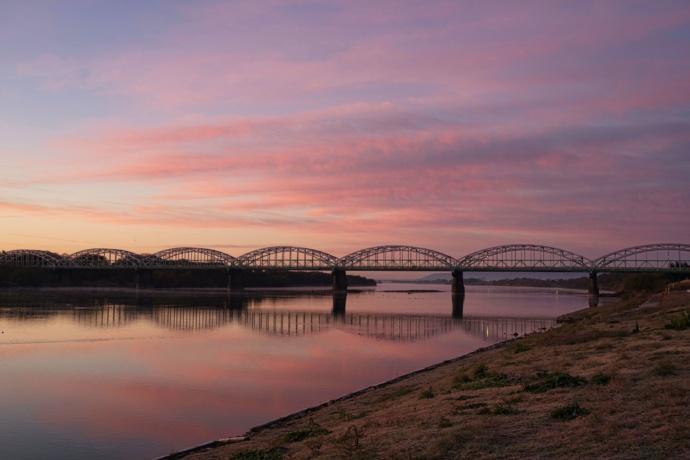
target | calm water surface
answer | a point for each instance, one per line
(115, 375)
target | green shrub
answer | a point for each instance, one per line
(488, 380)
(443, 422)
(427, 394)
(499, 409)
(460, 379)
(272, 454)
(665, 368)
(397, 393)
(347, 416)
(679, 323)
(569, 412)
(313, 429)
(549, 381)
(505, 409)
(520, 347)
(601, 379)
(480, 371)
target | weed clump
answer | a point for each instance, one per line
(601, 379)
(397, 393)
(347, 416)
(550, 381)
(482, 379)
(679, 323)
(443, 422)
(481, 371)
(520, 348)
(275, 453)
(499, 409)
(569, 412)
(313, 429)
(665, 368)
(427, 394)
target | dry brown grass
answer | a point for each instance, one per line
(637, 397)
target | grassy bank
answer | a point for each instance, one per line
(612, 382)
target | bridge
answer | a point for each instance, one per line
(663, 257)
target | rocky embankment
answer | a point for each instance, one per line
(612, 382)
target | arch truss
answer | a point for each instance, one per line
(31, 258)
(393, 258)
(192, 258)
(649, 257)
(103, 258)
(287, 258)
(524, 257)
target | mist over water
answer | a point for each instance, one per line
(116, 375)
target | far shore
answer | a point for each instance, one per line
(611, 382)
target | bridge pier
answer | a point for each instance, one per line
(144, 279)
(339, 281)
(458, 305)
(339, 303)
(64, 277)
(235, 280)
(458, 283)
(235, 302)
(593, 296)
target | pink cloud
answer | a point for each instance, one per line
(384, 121)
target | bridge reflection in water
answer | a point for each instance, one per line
(296, 323)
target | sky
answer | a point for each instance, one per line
(340, 125)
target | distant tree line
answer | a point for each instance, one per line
(624, 284)
(13, 276)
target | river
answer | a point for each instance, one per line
(115, 375)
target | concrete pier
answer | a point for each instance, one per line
(458, 283)
(593, 289)
(144, 279)
(458, 305)
(235, 280)
(339, 281)
(339, 303)
(64, 277)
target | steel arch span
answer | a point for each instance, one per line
(31, 258)
(397, 258)
(664, 257)
(191, 258)
(287, 258)
(524, 257)
(103, 258)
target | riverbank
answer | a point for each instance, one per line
(612, 382)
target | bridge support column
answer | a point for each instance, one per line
(63, 277)
(144, 279)
(339, 303)
(339, 281)
(593, 290)
(235, 302)
(235, 280)
(458, 283)
(458, 305)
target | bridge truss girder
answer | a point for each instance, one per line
(189, 258)
(31, 258)
(286, 258)
(524, 257)
(103, 258)
(396, 258)
(662, 257)
(515, 257)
